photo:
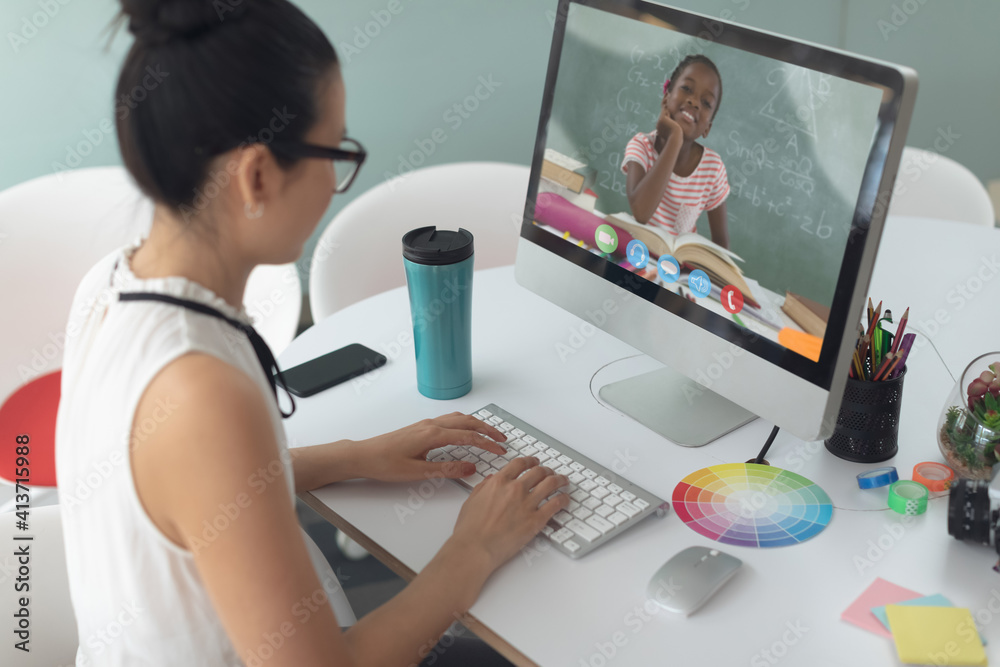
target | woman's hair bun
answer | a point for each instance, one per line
(160, 21)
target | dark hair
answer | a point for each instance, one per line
(691, 60)
(206, 76)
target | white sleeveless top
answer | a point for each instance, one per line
(137, 596)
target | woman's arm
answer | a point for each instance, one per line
(319, 465)
(718, 222)
(645, 190)
(214, 463)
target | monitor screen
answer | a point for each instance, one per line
(732, 174)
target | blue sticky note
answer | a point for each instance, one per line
(937, 600)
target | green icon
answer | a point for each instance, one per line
(607, 238)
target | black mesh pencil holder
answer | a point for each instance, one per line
(868, 421)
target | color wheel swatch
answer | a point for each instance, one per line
(752, 505)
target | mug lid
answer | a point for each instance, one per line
(429, 245)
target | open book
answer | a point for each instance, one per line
(691, 249)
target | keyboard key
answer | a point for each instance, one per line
(459, 452)
(589, 474)
(441, 458)
(604, 511)
(515, 444)
(548, 530)
(572, 505)
(588, 485)
(499, 463)
(600, 492)
(581, 512)
(561, 535)
(511, 454)
(479, 417)
(528, 451)
(485, 413)
(540, 445)
(576, 478)
(617, 518)
(628, 495)
(565, 460)
(553, 452)
(577, 466)
(529, 439)
(505, 426)
(591, 503)
(482, 466)
(542, 457)
(494, 420)
(562, 517)
(640, 503)
(474, 479)
(583, 530)
(579, 495)
(487, 456)
(517, 433)
(628, 509)
(470, 458)
(612, 500)
(564, 470)
(603, 481)
(571, 546)
(600, 524)
(614, 488)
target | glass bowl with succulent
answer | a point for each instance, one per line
(969, 428)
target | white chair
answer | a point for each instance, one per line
(930, 185)
(52, 230)
(53, 638)
(486, 198)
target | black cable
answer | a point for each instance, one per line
(767, 445)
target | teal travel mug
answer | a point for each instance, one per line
(438, 267)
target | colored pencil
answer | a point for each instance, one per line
(871, 310)
(871, 325)
(899, 330)
(884, 367)
(904, 352)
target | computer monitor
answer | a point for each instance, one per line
(759, 251)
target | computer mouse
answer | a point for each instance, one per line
(685, 582)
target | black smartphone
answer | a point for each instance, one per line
(331, 369)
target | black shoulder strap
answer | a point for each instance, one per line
(259, 346)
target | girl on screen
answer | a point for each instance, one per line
(191, 541)
(671, 178)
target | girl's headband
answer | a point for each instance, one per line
(665, 85)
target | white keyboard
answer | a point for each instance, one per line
(602, 505)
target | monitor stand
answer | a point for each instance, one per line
(676, 407)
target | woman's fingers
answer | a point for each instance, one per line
(513, 470)
(547, 487)
(459, 420)
(534, 476)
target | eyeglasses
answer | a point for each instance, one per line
(347, 159)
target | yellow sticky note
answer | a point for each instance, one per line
(935, 635)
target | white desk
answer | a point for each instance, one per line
(544, 608)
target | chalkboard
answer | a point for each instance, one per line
(794, 141)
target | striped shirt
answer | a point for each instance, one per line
(685, 196)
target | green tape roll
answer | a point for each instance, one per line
(908, 497)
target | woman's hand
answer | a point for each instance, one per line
(401, 456)
(502, 514)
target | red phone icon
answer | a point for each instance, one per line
(732, 299)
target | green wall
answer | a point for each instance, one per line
(58, 78)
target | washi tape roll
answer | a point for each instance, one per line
(871, 479)
(935, 476)
(908, 497)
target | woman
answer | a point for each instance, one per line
(190, 549)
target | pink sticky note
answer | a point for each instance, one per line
(881, 592)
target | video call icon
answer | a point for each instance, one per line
(637, 253)
(732, 299)
(668, 268)
(699, 283)
(606, 238)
